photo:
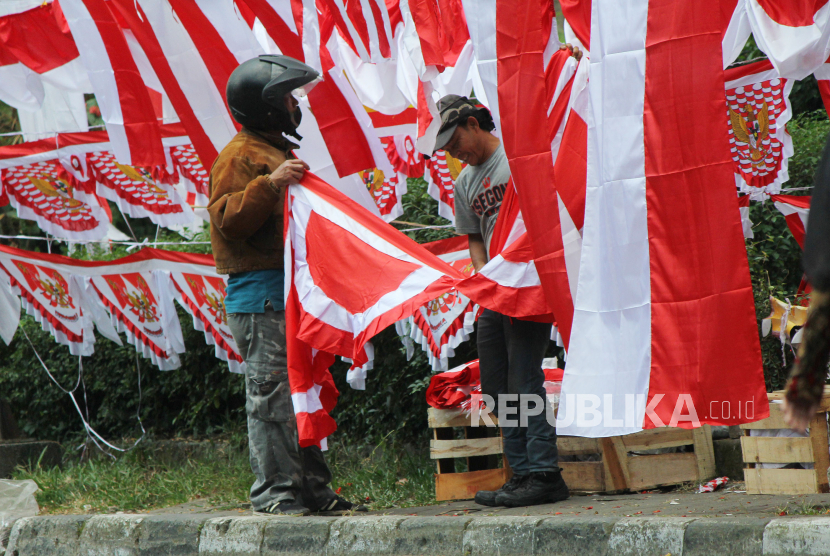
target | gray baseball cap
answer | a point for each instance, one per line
(454, 109)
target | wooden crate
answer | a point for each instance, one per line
(620, 469)
(481, 447)
(811, 449)
(617, 470)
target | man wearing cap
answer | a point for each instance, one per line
(247, 194)
(510, 350)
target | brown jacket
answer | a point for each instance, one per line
(246, 213)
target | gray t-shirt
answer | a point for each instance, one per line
(479, 191)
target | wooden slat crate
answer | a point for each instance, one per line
(617, 470)
(620, 469)
(481, 447)
(811, 449)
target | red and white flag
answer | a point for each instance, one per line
(796, 209)
(651, 279)
(795, 35)
(43, 192)
(441, 172)
(366, 27)
(509, 283)
(351, 276)
(136, 193)
(202, 294)
(41, 73)
(119, 89)
(62, 182)
(51, 297)
(354, 274)
(141, 306)
(758, 109)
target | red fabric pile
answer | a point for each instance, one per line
(451, 389)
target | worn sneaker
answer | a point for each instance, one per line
(488, 497)
(286, 507)
(340, 505)
(539, 488)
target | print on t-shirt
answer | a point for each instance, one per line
(487, 202)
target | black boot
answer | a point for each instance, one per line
(540, 488)
(488, 497)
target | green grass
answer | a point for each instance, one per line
(382, 476)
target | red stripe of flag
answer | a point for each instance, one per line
(520, 41)
(703, 328)
(140, 124)
(146, 37)
(218, 58)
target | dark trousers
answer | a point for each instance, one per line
(283, 470)
(511, 353)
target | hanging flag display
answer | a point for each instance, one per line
(758, 110)
(203, 296)
(56, 203)
(441, 173)
(650, 275)
(619, 203)
(48, 296)
(61, 183)
(133, 295)
(135, 192)
(141, 309)
(442, 324)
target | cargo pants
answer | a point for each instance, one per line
(284, 471)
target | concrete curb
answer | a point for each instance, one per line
(186, 535)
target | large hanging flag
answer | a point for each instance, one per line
(533, 80)
(758, 109)
(643, 352)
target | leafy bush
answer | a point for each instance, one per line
(201, 398)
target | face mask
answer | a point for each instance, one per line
(296, 117)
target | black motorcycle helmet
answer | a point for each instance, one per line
(257, 88)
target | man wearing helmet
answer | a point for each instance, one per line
(247, 188)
